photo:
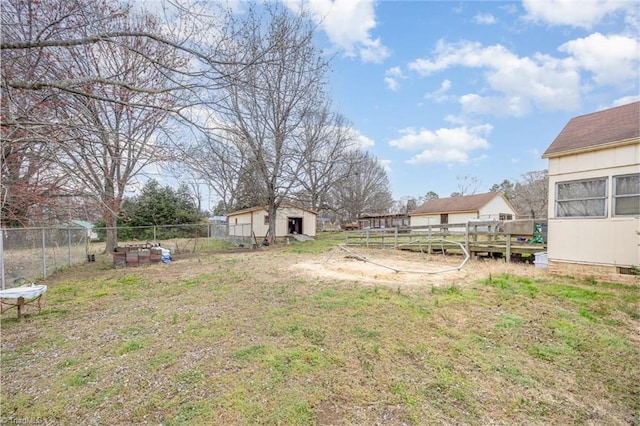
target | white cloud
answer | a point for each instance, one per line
(386, 164)
(391, 83)
(440, 95)
(466, 53)
(485, 19)
(456, 119)
(392, 77)
(612, 60)
(509, 8)
(549, 83)
(445, 145)
(362, 141)
(626, 100)
(515, 106)
(373, 51)
(347, 24)
(440, 156)
(575, 13)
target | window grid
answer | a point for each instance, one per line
(626, 195)
(582, 198)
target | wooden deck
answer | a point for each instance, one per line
(480, 239)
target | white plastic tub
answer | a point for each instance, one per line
(541, 260)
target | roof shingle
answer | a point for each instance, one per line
(598, 128)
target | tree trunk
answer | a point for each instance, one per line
(272, 211)
(112, 232)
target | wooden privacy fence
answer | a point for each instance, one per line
(492, 238)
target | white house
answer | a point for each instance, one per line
(457, 210)
(594, 195)
(290, 219)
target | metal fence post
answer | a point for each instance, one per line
(44, 254)
(2, 257)
(69, 246)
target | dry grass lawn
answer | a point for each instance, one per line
(304, 334)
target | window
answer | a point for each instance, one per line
(626, 195)
(266, 219)
(505, 216)
(582, 198)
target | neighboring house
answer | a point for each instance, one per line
(594, 194)
(457, 210)
(290, 219)
(218, 220)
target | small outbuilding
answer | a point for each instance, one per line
(87, 226)
(594, 195)
(383, 220)
(290, 219)
(459, 210)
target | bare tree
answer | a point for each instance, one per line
(532, 194)
(467, 185)
(265, 112)
(108, 143)
(42, 81)
(326, 141)
(82, 78)
(363, 189)
(404, 205)
(29, 185)
(37, 35)
(222, 165)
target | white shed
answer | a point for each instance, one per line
(290, 219)
(594, 195)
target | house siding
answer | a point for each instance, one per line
(462, 217)
(494, 208)
(240, 224)
(425, 220)
(610, 240)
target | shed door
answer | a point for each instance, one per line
(294, 225)
(444, 218)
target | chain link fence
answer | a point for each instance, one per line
(28, 254)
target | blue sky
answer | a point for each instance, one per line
(444, 89)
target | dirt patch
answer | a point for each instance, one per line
(386, 267)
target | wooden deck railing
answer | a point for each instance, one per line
(480, 238)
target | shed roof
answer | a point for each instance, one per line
(82, 223)
(597, 129)
(465, 203)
